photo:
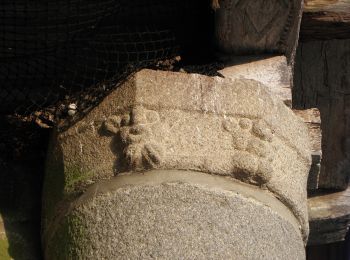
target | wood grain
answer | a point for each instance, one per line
(258, 27)
(329, 217)
(327, 5)
(322, 80)
(325, 19)
(312, 119)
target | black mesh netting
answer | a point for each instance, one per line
(60, 51)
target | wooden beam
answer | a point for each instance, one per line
(325, 19)
(327, 5)
(312, 119)
(322, 80)
(245, 27)
(329, 217)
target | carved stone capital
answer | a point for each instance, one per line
(177, 121)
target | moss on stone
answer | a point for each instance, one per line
(53, 187)
(4, 249)
(61, 184)
(68, 239)
(75, 174)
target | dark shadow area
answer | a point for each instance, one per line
(23, 148)
(321, 80)
(239, 60)
(322, 192)
(334, 251)
(319, 73)
(76, 51)
(53, 53)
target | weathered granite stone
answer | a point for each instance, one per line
(276, 75)
(175, 121)
(176, 215)
(272, 71)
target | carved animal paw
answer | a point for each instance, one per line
(133, 157)
(143, 156)
(251, 139)
(152, 155)
(135, 132)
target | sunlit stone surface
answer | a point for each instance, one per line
(166, 121)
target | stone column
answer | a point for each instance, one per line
(179, 166)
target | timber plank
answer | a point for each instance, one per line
(325, 20)
(322, 80)
(329, 217)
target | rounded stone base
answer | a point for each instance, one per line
(175, 215)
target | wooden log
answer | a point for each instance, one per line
(250, 27)
(329, 217)
(312, 119)
(335, 6)
(322, 80)
(325, 19)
